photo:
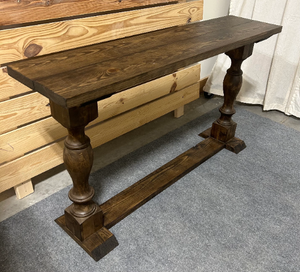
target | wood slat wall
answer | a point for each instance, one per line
(48, 130)
(25, 11)
(16, 44)
(50, 156)
(31, 141)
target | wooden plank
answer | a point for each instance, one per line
(24, 189)
(37, 162)
(22, 110)
(48, 130)
(113, 73)
(16, 44)
(142, 115)
(147, 92)
(10, 87)
(124, 203)
(18, 12)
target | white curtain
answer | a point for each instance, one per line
(272, 74)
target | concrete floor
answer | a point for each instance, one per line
(56, 179)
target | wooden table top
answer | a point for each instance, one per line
(74, 77)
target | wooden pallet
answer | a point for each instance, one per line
(31, 142)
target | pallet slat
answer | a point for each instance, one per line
(22, 110)
(10, 87)
(48, 130)
(28, 166)
(16, 44)
(19, 12)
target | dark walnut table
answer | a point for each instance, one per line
(75, 80)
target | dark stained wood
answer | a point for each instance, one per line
(135, 60)
(224, 128)
(83, 217)
(14, 12)
(101, 241)
(75, 79)
(124, 203)
(206, 133)
(96, 245)
(235, 144)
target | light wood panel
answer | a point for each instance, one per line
(18, 12)
(142, 115)
(22, 110)
(48, 130)
(144, 93)
(58, 36)
(10, 87)
(26, 167)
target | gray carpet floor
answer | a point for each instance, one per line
(232, 213)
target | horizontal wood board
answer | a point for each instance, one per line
(14, 12)
(31, 107)
(10, 87)
(23, 42)
(48, 130)
(121, 64)
(28, 108)
(21, 110)
(124, 203)
(37, 162)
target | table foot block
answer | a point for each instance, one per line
(96, 245)
(235, 144)
(124, 203)
(206, 133)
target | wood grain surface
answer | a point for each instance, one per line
(22, 110)
(121, 64)
(45, 158)
(14, 12)
(23, 42)
(47, 130)
(10, 87)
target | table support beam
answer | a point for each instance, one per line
(84, 218)
(224, 128)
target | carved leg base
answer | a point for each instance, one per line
(223, 133)
(224, 128)
(84, 227)
(96, 245)
(234, 145)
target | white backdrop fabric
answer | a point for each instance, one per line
(272, 74)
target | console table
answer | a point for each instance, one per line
(75, 80)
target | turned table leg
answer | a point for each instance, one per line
(224, 128)
(83, 220)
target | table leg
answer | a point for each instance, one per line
(83, 218)
(224, 128)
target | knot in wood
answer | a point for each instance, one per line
(48, 3)
(111, 71)
(32, 50)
